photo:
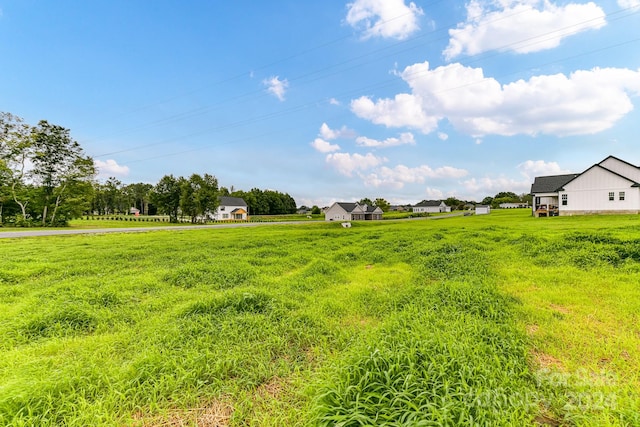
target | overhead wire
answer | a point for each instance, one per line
(531, 41)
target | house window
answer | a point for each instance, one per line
(564, 200)
(225, 216)
(611, 196)
(621, 195)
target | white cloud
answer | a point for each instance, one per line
(323, 146)
(384, 18)
(585, 102)
(327, 133)
(334, 101)
(405, 138)
(400, 175)
(532, 168)
(276, 87)
(443, 136)
(347, 164)
(433, 193)
(521, 26)
(487, 186)
(111, 168)
(630, 4)
(403, 110)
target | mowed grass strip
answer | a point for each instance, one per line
(496, 320)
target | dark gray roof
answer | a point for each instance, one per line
(232, 201)
(349, 207)
(426, 203)
(551, 184)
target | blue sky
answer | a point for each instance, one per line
(334, 100)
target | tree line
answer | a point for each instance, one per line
(47, 179)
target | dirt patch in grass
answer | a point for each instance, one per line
(532, 329)
(546, 361)
(560, 308)
(213, 414)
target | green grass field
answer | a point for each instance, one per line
(501, 319)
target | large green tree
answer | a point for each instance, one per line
(60, 168)
(166, 196)
(199, 196)
(16, 151)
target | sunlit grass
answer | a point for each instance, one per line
(501, 319)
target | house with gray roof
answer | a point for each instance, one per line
(344, 211)
(231, 209)
(611, 186)
(431, 206)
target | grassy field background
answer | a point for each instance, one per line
(501, 319)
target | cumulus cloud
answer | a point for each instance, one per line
(584, 102)
(406, 138)
(276, 87)
(324, 146)
(403, 110)
(347, 164)
(327, 133)
(111, 168)
(400, 175)
(443, 136)
(532, 168)
(629, 4)
(521, 26)
(384, 18)
(490, 186)
(334, 101)
(433, 193)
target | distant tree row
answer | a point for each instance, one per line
(506, 197)
(264, 202)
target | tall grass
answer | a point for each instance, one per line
(496, 320)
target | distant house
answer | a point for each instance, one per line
(431, 206)
(342, 211)
(514, 205)
(483, 209)
(609, 187)
(231, 208)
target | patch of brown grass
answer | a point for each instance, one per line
(213, 414)
(546, 361)
(560, 308)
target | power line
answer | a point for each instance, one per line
(532, 41)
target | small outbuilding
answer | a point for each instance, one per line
(483, 209)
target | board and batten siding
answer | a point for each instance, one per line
(590, 193)
(622, 168)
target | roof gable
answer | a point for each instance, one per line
(429, 203)
(348, 207)
(232, 201)
(633, 183)
(551, 184)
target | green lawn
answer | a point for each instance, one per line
(501, 319)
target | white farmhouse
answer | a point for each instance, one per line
(431, 206)
(231, 208)
(342, 211)
(609, 187)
